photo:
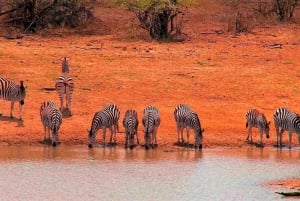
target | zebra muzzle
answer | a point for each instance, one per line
(22, 102)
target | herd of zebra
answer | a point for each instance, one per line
(108, 117)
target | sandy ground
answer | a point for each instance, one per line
(220, 76)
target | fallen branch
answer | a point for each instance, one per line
(12, 10)
(274, 46)
(295, 193)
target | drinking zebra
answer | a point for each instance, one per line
(65, 85)
(130, 123)
(12, 91)
(108, 117)
(151, 121)
(51, 118)
(287, 121)
(186, 118)
(256, 119)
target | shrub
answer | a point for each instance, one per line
(33, 15)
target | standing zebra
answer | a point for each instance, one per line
(151, 121)
(11, 91)
(130, 123)
(186, 118)
(51, 118)
(256, 119)
(287, 121)
(65, 85)
(108, 117)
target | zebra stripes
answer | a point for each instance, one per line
(256, 119)
(51, 118)
(151, 121)
(65, 86)
(13, 92)
(130, 123)
(286, 120)
(108, 117)
(186, 118)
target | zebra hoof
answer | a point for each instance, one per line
(146, 147)
(90, 146)
(200, 146)
(131, 147)
(54, 144)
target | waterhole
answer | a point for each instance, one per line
(79, 173)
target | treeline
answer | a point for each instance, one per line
(163, 19)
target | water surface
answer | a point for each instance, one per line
(77, 173)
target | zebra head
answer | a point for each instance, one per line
(267, 129)
(91, 137)
(22, 93)
(198, 138)
(65, 65)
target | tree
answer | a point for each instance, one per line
(285, 8)
(158, 18)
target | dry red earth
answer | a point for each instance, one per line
(220, 76)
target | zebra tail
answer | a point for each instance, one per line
(247, 124)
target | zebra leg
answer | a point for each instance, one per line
(187, 136)
(277, 135)
(45, 133)
(280, 137)
(126, 140)
(290, 139)
(61, 98)
(178, 134)
(154, 141)
(104, 135)
(249, 133)
(11, 109)
(116, 129)
(138, 142)
(112, 131)
(68, 102)
(21, 111)
(261, 136)
(181, 133)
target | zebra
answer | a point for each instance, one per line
(108, 117)
(65, 85)
(256, 119)
(130, 123)
(186, 118)
(51, 118)
(151, 122)
(287, 121)
(12, 91)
